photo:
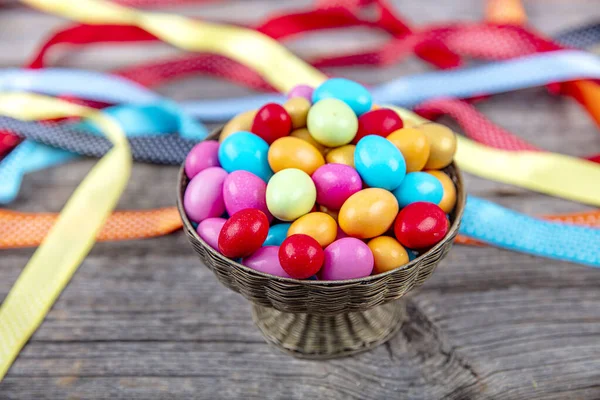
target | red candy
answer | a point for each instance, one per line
(301, 256)
(272, 122)
(243, 233)
(421, 225)
(380, 122)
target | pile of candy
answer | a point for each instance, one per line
(327, 186)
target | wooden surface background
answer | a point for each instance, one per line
(144, 320)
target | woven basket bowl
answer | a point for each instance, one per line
(325, 319)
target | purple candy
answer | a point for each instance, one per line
(204, 195)
(209, 230)
(203, 155)
(347, 258)
(301, 91)
(335, 183)
(266, 259)
(243, 189)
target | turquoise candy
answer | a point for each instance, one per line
(244, 151)
(419, 186)
(412, 254)
(352, 93)
(277, 234)
(379, 163)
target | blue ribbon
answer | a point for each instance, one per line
(511, 230)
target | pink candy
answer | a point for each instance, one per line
(243, 189)
(335, 183)
(204, 195)
(209, 230)
(202, 156)
(266, 259)
(347, 258)
(301, 91)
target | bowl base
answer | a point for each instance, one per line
(323, 337)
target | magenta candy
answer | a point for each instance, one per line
(209, 230)
(347, 258)
(203, 155)
(301, 91)
(204, 195)
(335, 183)
(243, 189)
(266, 259)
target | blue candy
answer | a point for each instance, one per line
(419, 186)
(244, 151)
(379, 163)
(277, 234)
(412, 254)
(352, 93)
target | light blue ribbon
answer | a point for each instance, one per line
(511, 230)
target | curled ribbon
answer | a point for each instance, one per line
(535, 170)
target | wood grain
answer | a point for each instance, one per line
(144, 320)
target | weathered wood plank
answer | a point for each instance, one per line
(144, 320)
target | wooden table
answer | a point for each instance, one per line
(144, 320)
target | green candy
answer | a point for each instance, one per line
(332, 122)
(291, 193)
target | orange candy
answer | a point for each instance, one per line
(388, 253)
(368, 213)
(318, 225)
(291, 152)
(449, 198)
(241, 122)
(341, 155)
(297, 108)
(442, 143)
(414, 146)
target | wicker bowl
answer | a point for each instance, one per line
(325, 319)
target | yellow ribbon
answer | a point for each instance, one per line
(72, 236)
(551, 173)
(265, 55)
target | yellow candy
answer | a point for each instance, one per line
(303, 134)
(330, 212)
(291, 152)
(341, 155)
(241, 122)
(318, 225)
(368, 213)
(449, 199)
(297, 108)
(442, 142)
(414, 146)
(388, 254)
